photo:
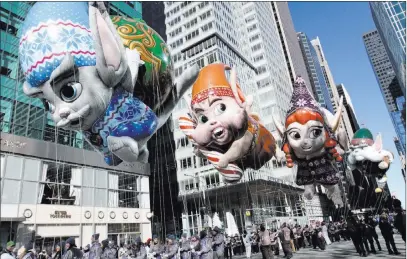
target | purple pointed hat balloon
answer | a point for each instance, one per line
(302, 98)
(49, 32)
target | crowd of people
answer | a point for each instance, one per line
(214, 244)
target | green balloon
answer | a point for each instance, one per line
(155, 85)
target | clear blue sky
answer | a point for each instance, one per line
(340, 26)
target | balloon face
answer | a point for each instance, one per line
(306, 139)
(154, 81)
(219, 120)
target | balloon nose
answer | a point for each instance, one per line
(212, 123)
(64, 113)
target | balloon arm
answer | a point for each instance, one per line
(238, 149)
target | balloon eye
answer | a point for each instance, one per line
(70, 91)
(316, 133)
(295, 135)
(220, 108)
(48, 106)
(203, 119)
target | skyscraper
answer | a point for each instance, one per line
(390, 20)
(388, 82)
(288, 37)
(51, 180)
(314, 71)
(347, 104)
(345, 122)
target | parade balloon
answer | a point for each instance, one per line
(110, 78)
(222, 127)
(367, 155)
(309, 141)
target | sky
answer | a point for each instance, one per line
(340, 26)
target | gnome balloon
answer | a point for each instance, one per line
(309, 141)
(222, 127)
(96, 74)
(367, 155)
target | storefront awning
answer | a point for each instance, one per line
(12, 219)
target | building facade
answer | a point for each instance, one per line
(387, 79)
(390, 21)
(329, 79)
(314, 70)
(288, 37)
(347, 104)
(52, 182)
(244, 35)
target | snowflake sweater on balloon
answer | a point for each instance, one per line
(110, 78)
(309, 142)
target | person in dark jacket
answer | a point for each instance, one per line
(95, 248)
(354, 230)
(372, 234)
(400, 219)
(71, 251)
(387, 233)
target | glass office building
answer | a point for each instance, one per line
(315, 73)
(51, 180)
(390, 20)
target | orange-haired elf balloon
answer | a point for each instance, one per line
(222, 127)
(309, 141)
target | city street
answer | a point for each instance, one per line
(343, 250)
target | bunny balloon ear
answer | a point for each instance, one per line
(111, 61)
(378, 144)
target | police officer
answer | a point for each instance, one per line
(157, 248)
(171, 248)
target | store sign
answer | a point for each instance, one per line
(60, 215)
(16, 144)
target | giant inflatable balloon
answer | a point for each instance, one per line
(222, 127)
(110, 78)
(367, 155)
(309, 141)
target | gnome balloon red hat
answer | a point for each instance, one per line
(309, 141)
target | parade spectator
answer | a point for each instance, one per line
(228, 246)
(324, 229)
(265, 243)
(307, 234)
(71, 251)
(218, 243)
(205, 244)
(247, 243)
(196, 247)
(86, 251)
(356, 234)
(285, 238)
(274, 242)
(185, 247)
(387, 233)
(400, 219)
(26, 251)
(157, 248)
(171, 248)
(96, 248)
(7, 253)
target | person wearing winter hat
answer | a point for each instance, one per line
(218, 243)
(71, 251)
(205, 243)
(157, 248)
(108, 251)
(171, 248)
(185, 247)
(7, 253)
(95, 251)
